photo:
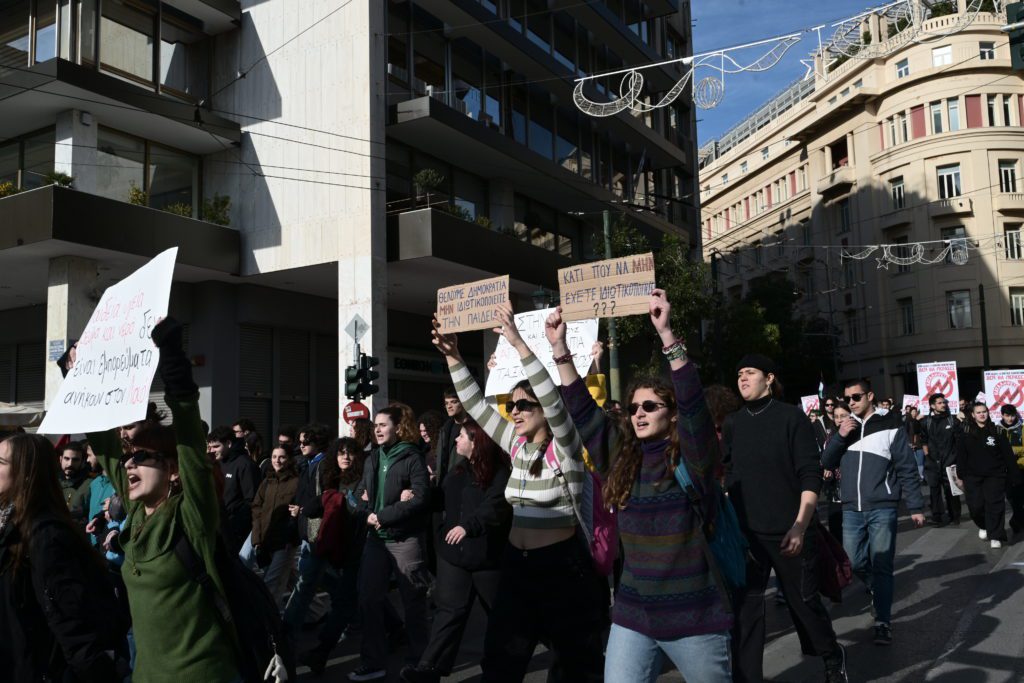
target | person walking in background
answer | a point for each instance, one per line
(832, 479)
(1010, 426)
(939, 432)
(273, 542)
(75, 482)
(986, 465)
(773, 475)
(914, 436)
(241, 480)
(875, 447)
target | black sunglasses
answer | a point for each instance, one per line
(303, 442)
(854, 397)
(140, 457)
(522, 405)
(830, 405)
(648, 406)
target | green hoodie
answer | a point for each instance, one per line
(177, 630)
(388, 455)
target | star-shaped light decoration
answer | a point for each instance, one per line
(883, 262)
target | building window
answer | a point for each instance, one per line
(936, 109)
(808, 282)
(955, 238)
(904, 129)
(896, 190)
(986, 51)
(805, 229)
(902, 250)
(126, 40)
(843, 216)
(953, 112)
(780, 243)
(743, 167)
(906, 307)
(903, 68)
(893, 140)
(942, 56)
(991, 100)
(25, 161)
(764, 154)
(1012, 240)
(958, 303)
(1017, 306)
(166, 176)
(725, 178)
(758, 254)
(1007, 175)
(852, 328)
(949, 181)
(1007, 120)
(802, 176)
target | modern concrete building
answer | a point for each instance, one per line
(924, 145)
(371, 151)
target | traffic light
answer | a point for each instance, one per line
(1014, 16)
(359, 378)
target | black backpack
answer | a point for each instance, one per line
(250, 610)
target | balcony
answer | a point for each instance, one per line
(1008, 202)
(218, 16)
(953, 206)
(895, 219)
(837, 182)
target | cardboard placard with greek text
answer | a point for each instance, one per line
(607, 289)
(471, 306)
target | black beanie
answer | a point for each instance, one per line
(759, 362)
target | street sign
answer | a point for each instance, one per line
(356, 328)
(353, 411)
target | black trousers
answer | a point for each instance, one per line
(551, 594)
(939, 493)
(1016, 497)
(798, 579)
(986, 502)
(454, 593)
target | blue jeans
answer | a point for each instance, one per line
(919, 457)
(632, 657)
(277, 573)
(340, 585)
(869, 538)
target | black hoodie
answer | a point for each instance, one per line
(241, 481)
(985, 453)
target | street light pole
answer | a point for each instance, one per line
(613, 346)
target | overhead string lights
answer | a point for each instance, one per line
(909, 253)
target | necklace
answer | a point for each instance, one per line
(753, 414)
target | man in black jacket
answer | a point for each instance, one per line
(447, 458)
(241, 481)
(938, 438)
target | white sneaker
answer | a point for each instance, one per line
(982, 534)
(995, 544)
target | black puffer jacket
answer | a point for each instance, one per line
(58, 614)
(398, 519)
(482, 512)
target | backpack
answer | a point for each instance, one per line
(834, 570)
(249, 609)
(596, 520)
(725, 546)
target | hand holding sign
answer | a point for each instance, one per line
(607, 289)
(508, 329)
(471, 306)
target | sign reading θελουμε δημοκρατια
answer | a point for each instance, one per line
(471, 306)
(607, 289)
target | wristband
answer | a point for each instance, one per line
(676, 351)
(563, 360)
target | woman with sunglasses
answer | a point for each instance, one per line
(548, 587)
(167, 483)
(667, 603)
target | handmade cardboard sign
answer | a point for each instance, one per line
(115, 358)
(607, 289)
(471, 306)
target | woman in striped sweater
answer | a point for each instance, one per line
(667, 603)
(548, 588)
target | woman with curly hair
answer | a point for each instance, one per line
(408, 428)
(430, 424)
(667, 603)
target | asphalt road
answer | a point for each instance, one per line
(958, 618)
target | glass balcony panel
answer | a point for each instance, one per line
(183, 61)
(46, 30)
(9, 154)
(14, 38)
(38, 151)
(173, 178)
(126, 40)
(120, 163)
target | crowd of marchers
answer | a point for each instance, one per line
(173, 552)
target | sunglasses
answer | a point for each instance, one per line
(648, 406)
(140, 457)
(830, 405)
(303, 442)
(522, 405)
(853, 398)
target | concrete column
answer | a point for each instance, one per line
(70, 300)
(501, 197)
(213, 336)
(874, 26)
(75, 151)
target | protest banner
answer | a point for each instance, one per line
(810, 403)
(471, 306)
(1004, 387)
(937, 378)
(607, 289)
(910, 400)
(115, 358)
(580, 336)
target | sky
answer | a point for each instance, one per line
(722, 23)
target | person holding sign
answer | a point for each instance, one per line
(667, 604)
(167, 483)
(548, 587)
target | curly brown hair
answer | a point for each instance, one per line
(408, 428)
(619, 485)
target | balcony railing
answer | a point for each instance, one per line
(838, 180)
(951, 207)
(1008, 201)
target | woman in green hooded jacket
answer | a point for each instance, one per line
(167, 482)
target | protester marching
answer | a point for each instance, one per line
(624, 540)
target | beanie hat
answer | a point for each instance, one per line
(758, 362)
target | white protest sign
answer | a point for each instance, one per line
(910, 400)
(810, 403)
(116, 358)
(1004, 387)
(938, 378)
(580, 336)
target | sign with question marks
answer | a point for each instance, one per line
(607, 289)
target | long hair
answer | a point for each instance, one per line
(408, 428)
(487, 455)
(972, 428)
(432, 420)
(35, 493)
(538, 463)
(254, 446)
(619, 485)
(362, 432)
(331, 476)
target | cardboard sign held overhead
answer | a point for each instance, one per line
(471, 306)
(607, 289)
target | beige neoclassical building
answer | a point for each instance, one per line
(922, 145)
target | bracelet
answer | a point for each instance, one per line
(563, 360)
(676, 351)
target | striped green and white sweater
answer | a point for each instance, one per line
(537, 502)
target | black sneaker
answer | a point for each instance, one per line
(316, 660)
(835, 667)
(366, 673)
(883, 634)
(420, 674)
